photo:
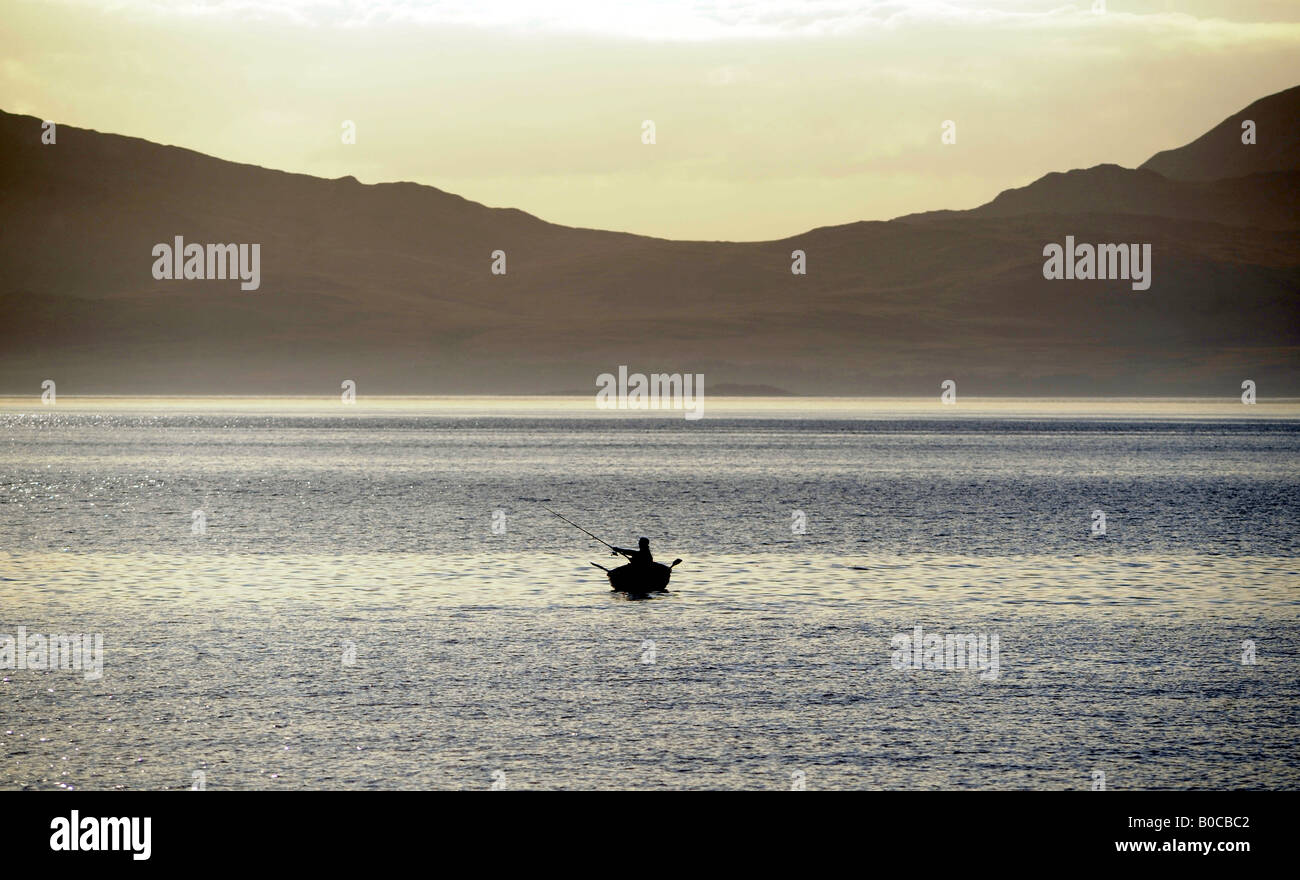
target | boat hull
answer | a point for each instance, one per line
(652, 578)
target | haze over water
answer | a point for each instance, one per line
(476, 652)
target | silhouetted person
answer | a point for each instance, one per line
(640, 556)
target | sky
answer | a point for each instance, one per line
(770, 117)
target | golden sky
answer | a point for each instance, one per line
(771, 117)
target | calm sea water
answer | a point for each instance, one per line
(378, 600)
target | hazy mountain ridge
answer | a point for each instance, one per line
(1217, 154)
(1269, 200)
(390, 285)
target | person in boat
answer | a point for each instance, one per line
(638, 557)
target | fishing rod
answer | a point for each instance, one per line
(578, 527)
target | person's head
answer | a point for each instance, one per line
(644, 543)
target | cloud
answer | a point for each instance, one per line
(717, 20)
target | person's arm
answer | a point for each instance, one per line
(617, 550)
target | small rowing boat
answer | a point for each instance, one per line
(652, 578)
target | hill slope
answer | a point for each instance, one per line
(1220, 153)
(391, 285)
